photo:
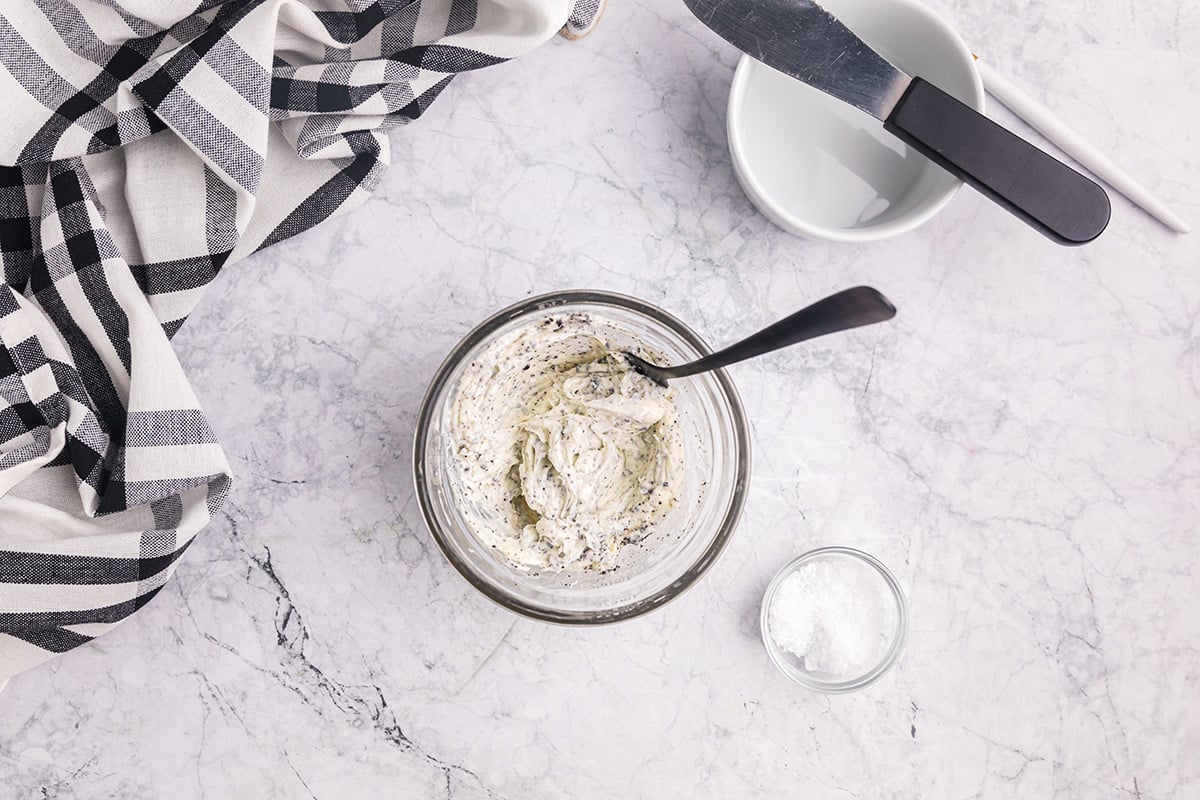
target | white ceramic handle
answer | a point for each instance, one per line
(1044, 122)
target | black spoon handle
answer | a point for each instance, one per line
(850, 308)
(1038, 188)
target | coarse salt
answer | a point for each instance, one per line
(832, 615)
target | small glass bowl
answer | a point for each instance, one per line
(793, 666)
(660, 567)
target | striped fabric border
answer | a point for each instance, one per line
(108, 466)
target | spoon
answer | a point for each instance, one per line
(849, 308)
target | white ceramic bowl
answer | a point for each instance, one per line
(818, 167)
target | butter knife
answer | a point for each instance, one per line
(803, 40)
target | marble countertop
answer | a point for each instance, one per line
(1021, 445)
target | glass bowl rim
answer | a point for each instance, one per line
(895, 645)
(547, 302)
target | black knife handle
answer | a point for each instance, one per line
(1038, 188)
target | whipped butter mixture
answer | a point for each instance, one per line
(565, 453)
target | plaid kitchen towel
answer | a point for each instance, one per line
(149, 144)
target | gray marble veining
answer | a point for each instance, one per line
(1021, 445)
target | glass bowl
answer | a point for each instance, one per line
(896, 610)
(649, 573)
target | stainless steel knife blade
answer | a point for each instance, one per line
(802, 39)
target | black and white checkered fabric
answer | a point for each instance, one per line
(149, 144)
